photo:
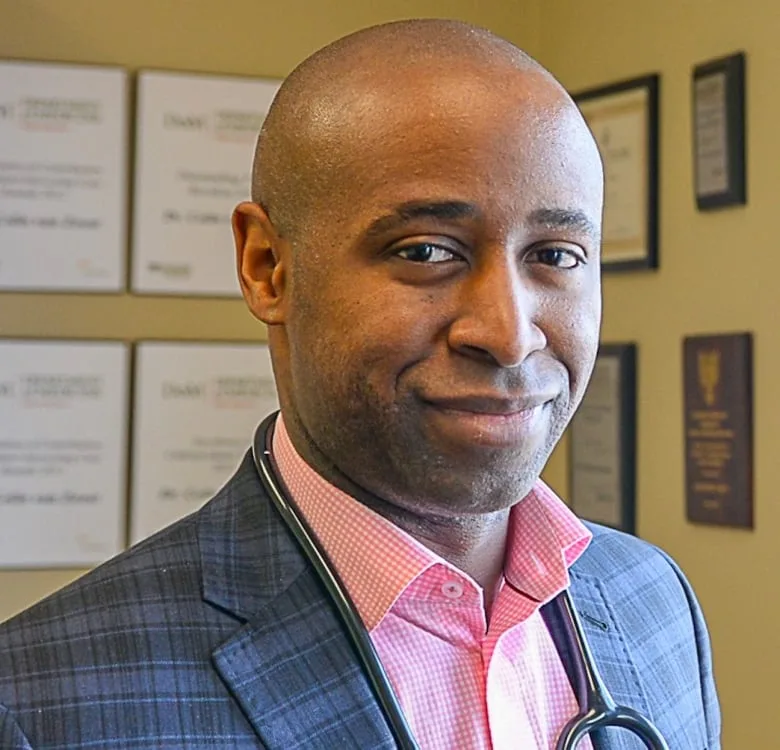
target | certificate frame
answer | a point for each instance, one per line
(145, 262)
(138, 474)
(93, 557)
(629, 108)
(114, 286)
(617, 510)
(718, 119)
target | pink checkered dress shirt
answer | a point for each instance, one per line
(463, 682)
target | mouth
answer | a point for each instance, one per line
(491, 405)
(490, 421)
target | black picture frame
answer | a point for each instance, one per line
(711, 125)
(602, 442)
(599, 103)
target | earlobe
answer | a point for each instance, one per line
(260, 265)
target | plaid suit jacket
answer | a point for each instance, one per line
(216, 634)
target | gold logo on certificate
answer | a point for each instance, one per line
(708, 361)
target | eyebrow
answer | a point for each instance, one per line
(565, 219)
(545, 218)
(406, 212)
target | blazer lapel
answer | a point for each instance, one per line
(294, 672)
(290, 666)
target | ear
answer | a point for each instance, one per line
(261, 262)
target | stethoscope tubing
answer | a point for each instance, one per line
(380, 682)
(598, 709)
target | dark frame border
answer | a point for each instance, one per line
(733, 66)
(626, 355)
(652, 84)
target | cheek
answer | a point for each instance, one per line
(355, 331)
(573, 337)
(586, 345)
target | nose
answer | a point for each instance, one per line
(497, 316)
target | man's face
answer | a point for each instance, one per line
(443, 312)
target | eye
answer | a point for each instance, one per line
(426, 252)
(558, 257)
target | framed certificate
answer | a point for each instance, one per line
(63, 176)
(719, 132)
(624, 120)
(196, 407)
(602, 442)
(195, 138)
(63, 452)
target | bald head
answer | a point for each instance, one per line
(337, 99)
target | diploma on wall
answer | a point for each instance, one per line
(719, 132)
(63, 173)
(63, 452)
(602, 441)
(196, 407)
(623, 118)
(195, 138)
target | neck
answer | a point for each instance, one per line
(475, 544)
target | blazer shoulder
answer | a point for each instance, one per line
(614, 553)
(74, 667)
(163, 569)
(160, 565)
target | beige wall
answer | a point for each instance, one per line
(717, 274)
(713, 267)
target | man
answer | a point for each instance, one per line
(423, 245)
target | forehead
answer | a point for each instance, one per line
(514, 144)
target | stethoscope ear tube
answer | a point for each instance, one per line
(380, 683)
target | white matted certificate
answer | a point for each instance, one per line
(63, 452)
(63, 174)
(194, 148)
(602, 459)
(196, 408)
(595, 449)
(620, 129)
(623, 118)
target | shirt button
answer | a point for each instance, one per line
(452, 589)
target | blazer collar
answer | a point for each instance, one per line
(247, 555)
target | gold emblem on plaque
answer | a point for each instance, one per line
(709, 374)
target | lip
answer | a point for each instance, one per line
(490, 421)
(490, 405)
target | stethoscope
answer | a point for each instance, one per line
(597, 706)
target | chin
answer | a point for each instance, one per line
(458, 491)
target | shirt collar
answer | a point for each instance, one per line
(377, 561)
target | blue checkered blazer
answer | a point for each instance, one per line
(216, 634)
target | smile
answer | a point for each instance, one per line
(491, 422)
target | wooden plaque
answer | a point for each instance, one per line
(718, 384)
